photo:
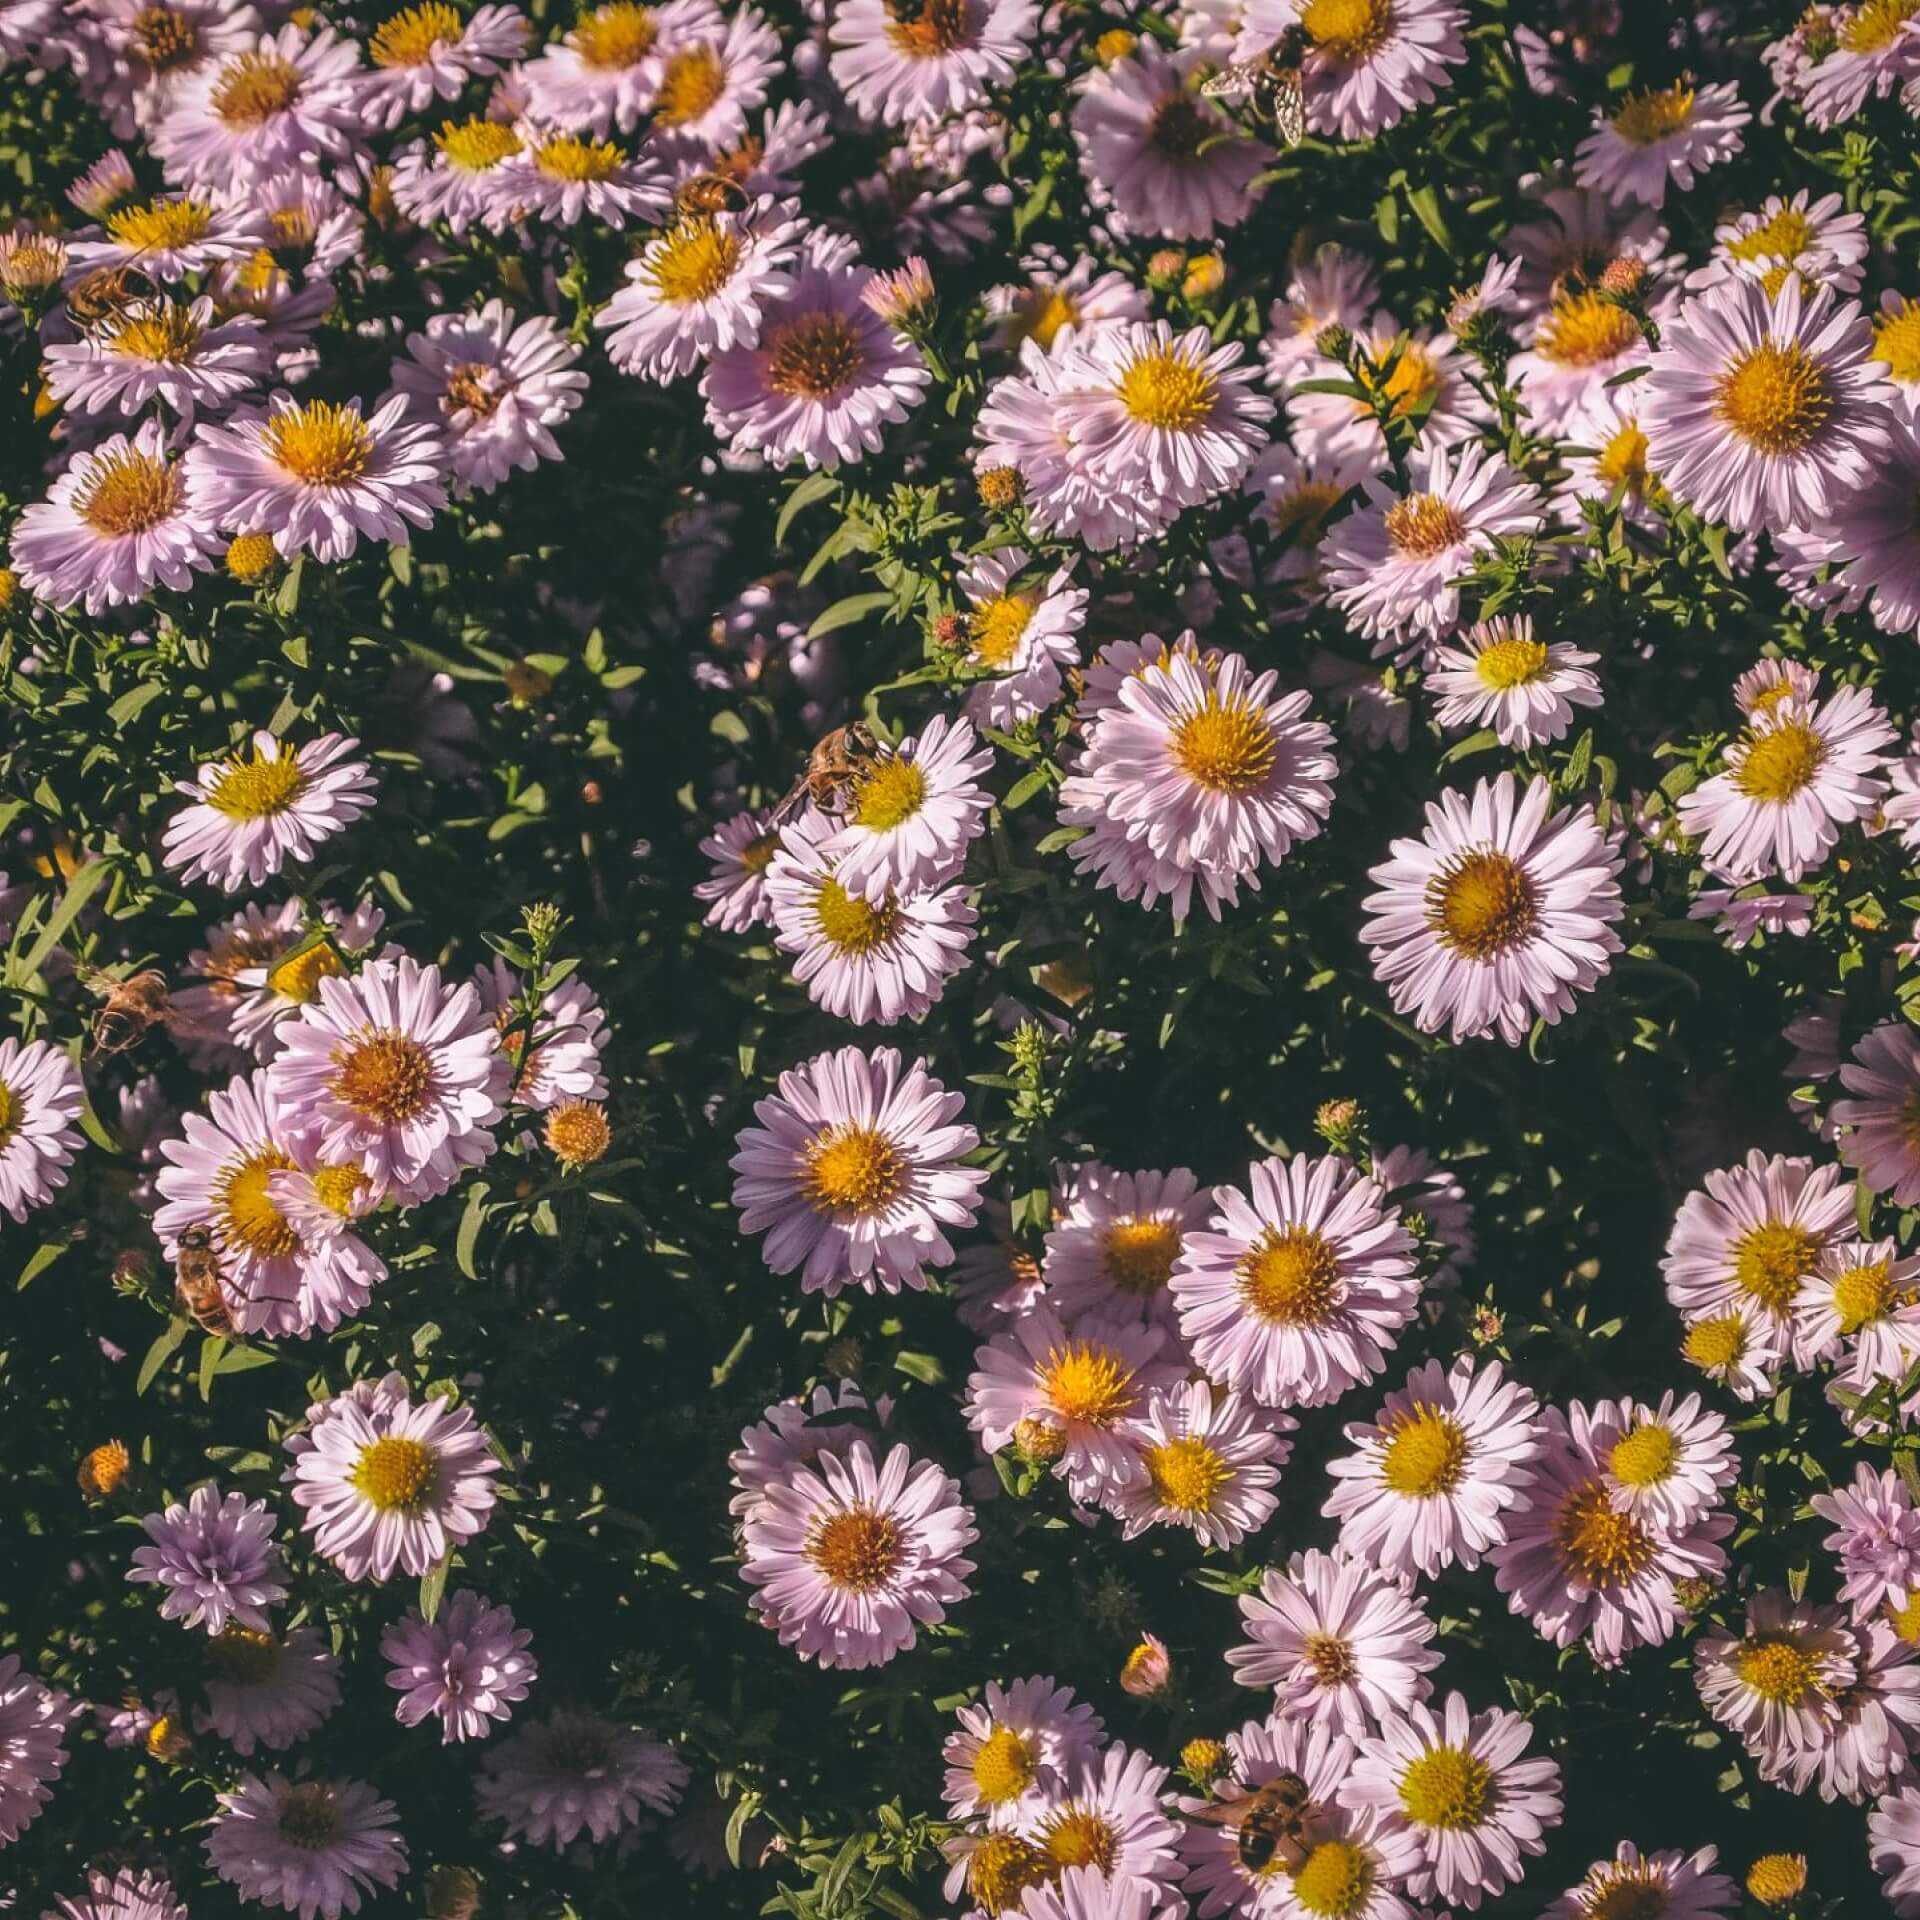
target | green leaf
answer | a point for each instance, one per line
(1024, 789)
(42, 1257)
(433, 1587)
(922, 1367)
(162, 1350)
(743, 1810)
(834, 1882)
(843, 613)
(816, 486)
(471, 1221)
(1472, 744)
(1579, 764)
(131, 702)
(287, 598)
(85, 883)
(1425, 203)
(211, 1350)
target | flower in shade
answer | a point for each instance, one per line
(1743, 1349)
(912, 812)
(558, 1057)
(1876, 540)
(896, 66)
(1147, 1671)
(318, 475)
(1500, 676)
(110, 182)
(1300, 1286)
(125, 1895)
(1332, 287)
(1340, 1643)
(1432, 1478)
(168, 350)
(1860, 1307)
(1766, 409)
(853, 1172)
(41, 1095)
(426, 53)
(848, 1560)
(1665, 1464)
(824, 380)
(1422, 379)
(741, 850)
(33, 1732)
(1084, 295)
(462, 179)
(397, 1073)
(1025, 636)
(1435, 1192)
(1882, 1138)
(1499, 914)
(467, 1668)
(122, 520)
(1017, 1751)
(1115, 1238)
(1581, 344)
(1893, 1841)
(1390, 566)
(606, 71)
(1777, 1683)
(388, 1485)
(216, 1559)
(1069, 1395)
(1369, 63)
(1876, 1539)
(495, 390)
(1112, 1820)
(1669, 1885)
(312, 1846)
(575, 1772)
(268, 1690)
(1210, 1461)
(1660, 135)
(1457, 1782)
(172, 236)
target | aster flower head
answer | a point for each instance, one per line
(1115, 1239)
(109, 183)
(1893, 1840)
(1581, 343)
(1817, 239)
(1880, 1138)
(1369, 63)
(853, 1174)
(1860, 1308)
(606, 72)
(315, 1847)
(576, 1772)
(467, 1668)
(1743, 1349)
(1500, 675)
(1112, 1819)
(741, 850)
(1085, 296)
(558, 1058)
(171, 236)
(1670, 1884)
(912, 812)
(1210, 1461)
(567, 178)
(460, 177)
(940, 61)
(128, 1894)
(1028, 637)
(265, 1689)
(1332, 287)
(1666, 1464)
(1017, 1750)
(170, 350)
(1660, 136)
(1301, 1285)
(1777, 1684)
(1875, 1538)
(1499, 914)
(41, 1097)
(216, 1559)
(1415, 376)
(33, 1729)
(1873, 547)
(1868, 50)
(796, 1432)
(428, 52)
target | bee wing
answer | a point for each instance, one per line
(1290, 109)
(1236, 79)
(785, 808)
(1221, 1813)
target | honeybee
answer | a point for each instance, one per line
(1273, 78)
(103, 296)
(834, 768)
(196, 1279)
(132, 1006)
(1267, 1824)
(709, 193)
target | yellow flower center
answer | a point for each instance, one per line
(320, 443)
(294, 229)
(1079, 1837)
(1770, 1261)
(941, 26)
(577, 1133)
(1001, 1868)
(1780, 762)
(253, 87)
(476, 145)
(1606, 1548)
(1186, 1474)
(692, 85)
(693, 262)
(1619, 1892)
(1775, 398)
(854, 1169)
(996, 627)
(850, 923)
(757, 855)
(1512, 662)
(1776, 1878)
(1088, 1383)
(249, 1217)
(1335, 1881)
(1863, 1295)
(1427, 1454)
(161, 224)
(1896, 343)
(1781, 236)
(1137, 1256)
(10, 1110)
(567, 157)
(1290, 1277)
(244, 1656)
(1330, 1657)
(1716, 1343)
(477, 389)
(1483, 903)
(857, 1549)
(337, 1188)
(1645, 1456)
(1205, 1759)
(615, 36)
(410, 37)
(814, 357)
(387, 1077)
(105, 1466)
(258, 788)
(1423, 526)
(299, 978)
(1225, 747)
(1648, 118)
(1002, 1767)
(1043, 312)
(1446, 1788)
(1876, 25)
(1623, 460)
(1778, 1671)
(309, 1819)
(1162, 390)
(1303, 511)
(1587, 330)
(396, 1473)
(164, 38)
(1905, 1618)
(891, 791)
(157, 332)
(127, 493)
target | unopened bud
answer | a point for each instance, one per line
(577, 1133)
(1623, 277)
(999, 488)
(950, 632)
(452, 1894)
(542, 921)
(132, 1272)
(251, 557)
(843, 1359)
(1691, 1593)
(903, 295)
(1489, 1323)
(1778, 1879)
(1115, 44)
(1333, 342)
(1206, 274)
(1167, 263)
(1038, 1442)
(1339, 1123)
(1147, 1668)
(1204, 1761)
(103, 1469)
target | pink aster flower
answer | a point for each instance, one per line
(1341, 1644)
(1878, 1731)
(1366, 68)
(1665, 1464)
(575, 1772)
(109, 183)
(1115, 1239)
(1499, 914)
(794, 1433)
(1883, 1078)
(249, 818)
(848, 1560)
(1332, 287)
(1211, 1461)
(314, 1847)
(606, 72)
(1817, 239)
(390, 1485)
(1017, 1751)
(461, 178)
(1744, 1349)
(1085, 1893)
(558, 1058)
(1893, 1840)
(741, 850)
(1114, 1816)
(1026, 636)
(1869, 51)
(1298, 493)
(1860, 1308)
(216, 1559)
(125, 1895)
(1777, 1684)
(1500, 676)
(268, 1690)
(428, 53)
(1432, 1479)
(941, 61)
(1875, 540)
(1876, 1538)
(467, 1668)
(318, 476)
(1300, 1287)
(161, 349)
(1661, 135)
(569, 178)
(1435, 1193)
(1671, 1884)
(41, 1094)
(1085, 296)
(171, 237)
(711, 80)
(853, 1172)
(397, 1073)
(1420, 376)
(913, 813)
(122, 520)
(33, 1730)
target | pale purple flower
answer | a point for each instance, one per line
(741, 850)
(1880, 1138)
(1210, 1462)
(559, 1057)
(913, 812)
(417, 63)
(314, 1847)
(795, 1433)
(463, 179)
(576, 1772)
(568, 178)
(1025, 637)
(1017, 1751)
(1875, 1537)
(929, 66)
(606, 71)
(167, 350)
(1114, 1815)
(1115, 1238)
(172, 236)
(1778, 1683)
(216, 1559)
(33, 1730)
(126, 1895)
(1670, 1884)
(1364, 70)
(267, 1690)
(1665, 1464)
(41, 1095)
(1660, 135)
(1498, 675)
(467, 1668)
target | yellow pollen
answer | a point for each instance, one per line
(1770, 1261)
(1225, 747)
(1179, 126)
(693, 262)
(1778, 1671)
(251, 556)
(1088, 1383)
(477, 389)
(692, 85)
(854, 1169)
(1001, 1868)
(1715, 1344)
(309, 1819)
(891, 792)
(167, 1739)
(337, 1188)
(1077, 1836)
(1164, 391)
(165, 332)
(1780, 762)
(258, 788)
(1335, 1881)
(1905, 1618)
(940, 27)
(567, 157)
(1781, 236)
(577, 1133)
(396, 1473)
(1042, 314)
(1648, 118)
(1512, 662)
(476, 145)
(1137, 1256)
(1330, 1657)
(1290, 1277)
(1446, 1788)
(161, 225)
(1347, 29)
(996, 627)
(293, 228)
(103, 1467)
(1423, 526)
(248, 1216)
(1896, 343)
(299, 978)
(164, 38)
(1863, 1295)
(1483, 903)
(1427, 1454)
(244, 1656)
(1587, 330)
(847, 922)
(410, 38)
(1606, 1548)
(387, 1077)
(1186, 1474)
(814, 356)
(1205, 1759)
(1775, 398)
(1303, 511)
(10, 1113)
(1876, 25)
(857, 1549)
(1623, 460)
(1644, 1457)
(757, 855)
(1619, 1892)
(253, 88)
(615, 36)
(320, 443)
(127, 493)
(1776, 1879)
(1002, 1767)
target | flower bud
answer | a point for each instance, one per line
(1147, 1669)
